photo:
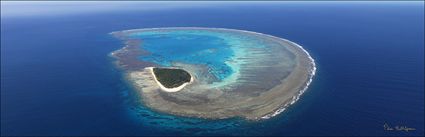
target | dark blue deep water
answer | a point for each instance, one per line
(57, 77)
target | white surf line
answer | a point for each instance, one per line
(169, 89)
(296, 97)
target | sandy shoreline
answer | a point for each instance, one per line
(169, 89)
(268, 104)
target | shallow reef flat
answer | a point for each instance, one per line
(235, 73)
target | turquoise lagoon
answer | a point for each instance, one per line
(186, 47)
(225, 52)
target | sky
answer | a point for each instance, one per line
(47, 8)
(33, 8)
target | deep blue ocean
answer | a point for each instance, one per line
(57, 77)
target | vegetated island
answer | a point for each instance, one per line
(268, 73)
(171, 79)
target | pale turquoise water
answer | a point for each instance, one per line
(228, 54)
(210, 50)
